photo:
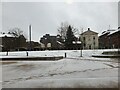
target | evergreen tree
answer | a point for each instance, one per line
(62, 30)
(69, 38)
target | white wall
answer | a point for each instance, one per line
(90, 41)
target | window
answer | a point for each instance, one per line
(83, 38)
(84, 45)
(93, 37)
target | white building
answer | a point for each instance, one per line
(89, 39)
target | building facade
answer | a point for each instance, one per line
(103, 41)
(8, 42)
(110, 39)
(11, 43)
(89, 39)
(51, 42)
(33, 46)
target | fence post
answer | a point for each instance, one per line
(27, 53)
(65, 55)
(7, 53)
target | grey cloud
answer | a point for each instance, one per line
(46, 17)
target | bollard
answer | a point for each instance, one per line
(27, 53)
(65, 55)
(81, 53)
(7, 53)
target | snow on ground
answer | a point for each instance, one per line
(71, 72)
(70, 53)
(0, 76)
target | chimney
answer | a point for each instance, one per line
(88, 29)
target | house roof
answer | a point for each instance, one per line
(5, 35)
(89, 32)
(112, 32)
(109, 32)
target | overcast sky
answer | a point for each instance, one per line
(46, 17)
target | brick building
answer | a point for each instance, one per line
(33, 46)
(7, 42)
(110, 39)
(11, 43)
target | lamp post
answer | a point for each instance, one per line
(118, 40)
(78, 42)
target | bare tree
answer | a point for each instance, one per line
(20, 39)
(16, 32)
(62, 30)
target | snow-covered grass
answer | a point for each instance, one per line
(71, 72)
(70, 53)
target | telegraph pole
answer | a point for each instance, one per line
(30, 46)
(118, 41)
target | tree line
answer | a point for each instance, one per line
(65, 30)
(68, 32)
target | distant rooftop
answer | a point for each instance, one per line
(89, 30)
(109, 31)
(5, 35)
